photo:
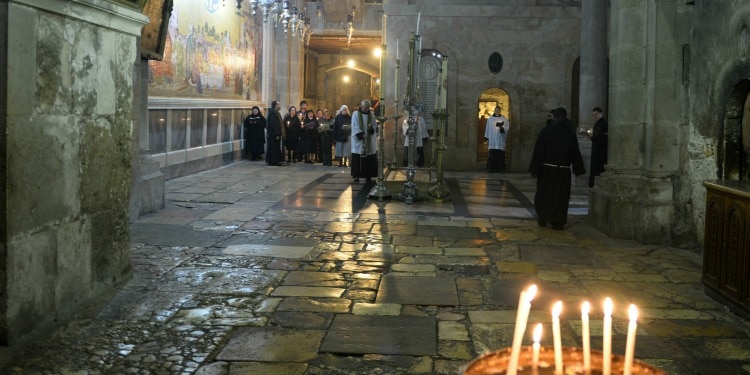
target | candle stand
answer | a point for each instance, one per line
(379, 190)
(409, 192)
(497, 362)
(439, 192)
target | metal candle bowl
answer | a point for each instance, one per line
(497, 362)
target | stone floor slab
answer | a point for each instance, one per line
(427, 291)
(389, 335)
(275, 251)
(555, 254)
(307, 291)
(269, 344)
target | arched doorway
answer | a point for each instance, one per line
(488, 100)
(735, 163)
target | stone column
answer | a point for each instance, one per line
(635, 197)
(268, 52)
(593, 76)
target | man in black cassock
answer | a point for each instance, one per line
(555, 152)
(274, 135)
(598, 145)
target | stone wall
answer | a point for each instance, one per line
(718, 66)
(539, 43)
(66, 156)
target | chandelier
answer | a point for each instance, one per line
(284, 15)
(349, 26)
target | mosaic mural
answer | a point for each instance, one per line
(211, 52)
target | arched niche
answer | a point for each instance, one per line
(736, 134)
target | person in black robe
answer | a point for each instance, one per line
(293, 128)
(598, 145)
(308, 136)
(255, 134)
(274, 134)
(555, 152)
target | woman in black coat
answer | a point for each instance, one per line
(308, 136)
(254, 127)
(293, 130)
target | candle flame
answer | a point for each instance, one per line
(608, 306)
(530, 293)
(633, 313)
(557, 309)
(585, 308)
(538, 333)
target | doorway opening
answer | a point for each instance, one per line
(488, 100)
(735, 163)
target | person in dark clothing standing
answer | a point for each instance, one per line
(326, 138)
(598, 145)
(293, 128)
(308, 136)
(255, 134)
(274, 134)
(555, 152)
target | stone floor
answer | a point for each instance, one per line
(252, 269)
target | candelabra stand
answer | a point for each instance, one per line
(409, 192)
(379, 190)
(439, 192)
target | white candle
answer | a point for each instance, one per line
(535, 349)
(585, 334)
(630, 343)
(385, 22)
(418, 17)
(522, 316)
(607, 337)
(396, 48)
(556, 310)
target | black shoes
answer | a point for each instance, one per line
(541, 223)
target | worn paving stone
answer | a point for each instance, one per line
(405, 249)
(302, 320)
(376, 309)
(436, 291)
(271, 345)
(175, 235)
(443, 231)
(268, 251)
(307, 291)
(555, 254)
(318, 279)
(394, 335)
(464, 252)
(456, 350)
(247, 368)
(452, 331)
(334, 305)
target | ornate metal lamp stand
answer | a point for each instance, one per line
(409, 192)
(439, 192)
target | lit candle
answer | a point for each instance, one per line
(607, 337)
(419, 16)
(522, 316)
(535, 349)
(630, 343)
(556, 310)
(585, 308)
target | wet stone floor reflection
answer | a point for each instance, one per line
(293, 270)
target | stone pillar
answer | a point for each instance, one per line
(593, 77)
(68, 125)
(635, 197)
(268, 71)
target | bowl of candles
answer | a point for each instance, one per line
(497, 362)
(559, 360)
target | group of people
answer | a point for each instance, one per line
(308, 136)
(556, 155)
